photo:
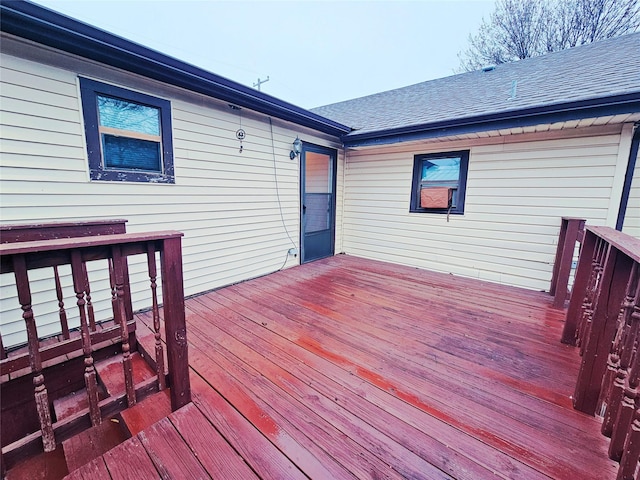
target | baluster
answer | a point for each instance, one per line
(87, 290)
(592, 289)
(121, 315)
(80, 281)
(621, 354)
(631, 453)
(114, 296)
(151, 261)
(61, 311)
(627, 407)
(40, 389)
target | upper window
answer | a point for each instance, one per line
(128, 134)
(439, 182)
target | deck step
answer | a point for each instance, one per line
(111, 376)
(69, 405)
(92, 443)
(147, 346)
(43, 466)
(147, 412)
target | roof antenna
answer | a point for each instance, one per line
(514, 88)
(260, 82)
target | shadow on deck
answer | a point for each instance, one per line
(352, 368)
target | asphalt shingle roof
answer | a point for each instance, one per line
(601, 69)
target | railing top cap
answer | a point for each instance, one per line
(76, 223)
(83, 242)
(627, 244)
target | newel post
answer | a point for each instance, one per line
(583, 272)
(570, 229)
(174, 320)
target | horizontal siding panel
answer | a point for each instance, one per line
(544, 236)
(239, 211)
(30, 135)
(37, 69)
(516, 195)
(40, 97)
(517, 252)
(40, 123)
(527, 196)
(29, 109)
(456, 265)
(43, 163)
(41, 149)
(42, 175)
(599, 175)
(548, 158)
(42, 83)
(558, 144)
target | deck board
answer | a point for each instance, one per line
(352, 368)
(170, 454)
(212, 450)
(138, 464)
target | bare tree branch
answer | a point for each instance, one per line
(520, 29)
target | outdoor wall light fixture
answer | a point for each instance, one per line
(297, 148)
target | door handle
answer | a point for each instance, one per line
(304, 209)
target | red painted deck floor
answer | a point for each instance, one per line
(350, 368)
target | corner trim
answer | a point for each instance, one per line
(628, 178)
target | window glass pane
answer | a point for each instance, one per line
(441, 170)
(116, 113)
(131, 154)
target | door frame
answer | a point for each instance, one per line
(333, 155)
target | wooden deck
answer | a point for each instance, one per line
(350, 368)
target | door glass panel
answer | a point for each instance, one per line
(318, 194)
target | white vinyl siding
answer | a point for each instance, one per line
(224, 201)
(631, 224)
(517, 193)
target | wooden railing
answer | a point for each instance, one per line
(12, 233)
(571, 232)
(20, 258)
(603, 319)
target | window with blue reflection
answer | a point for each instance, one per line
(128, 134)
(447, 170)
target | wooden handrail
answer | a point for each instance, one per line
(604, 320)
(23, 256)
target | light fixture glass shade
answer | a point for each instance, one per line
(297, 148)
(297, 145)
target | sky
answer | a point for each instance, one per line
(314, 52)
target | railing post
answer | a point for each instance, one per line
(569, 233)
(599, 337)
(40, 390)
(174, 321)
(580, 285)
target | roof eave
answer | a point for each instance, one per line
(560, 112)
(32, 22)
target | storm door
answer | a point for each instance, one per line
(317, 194)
